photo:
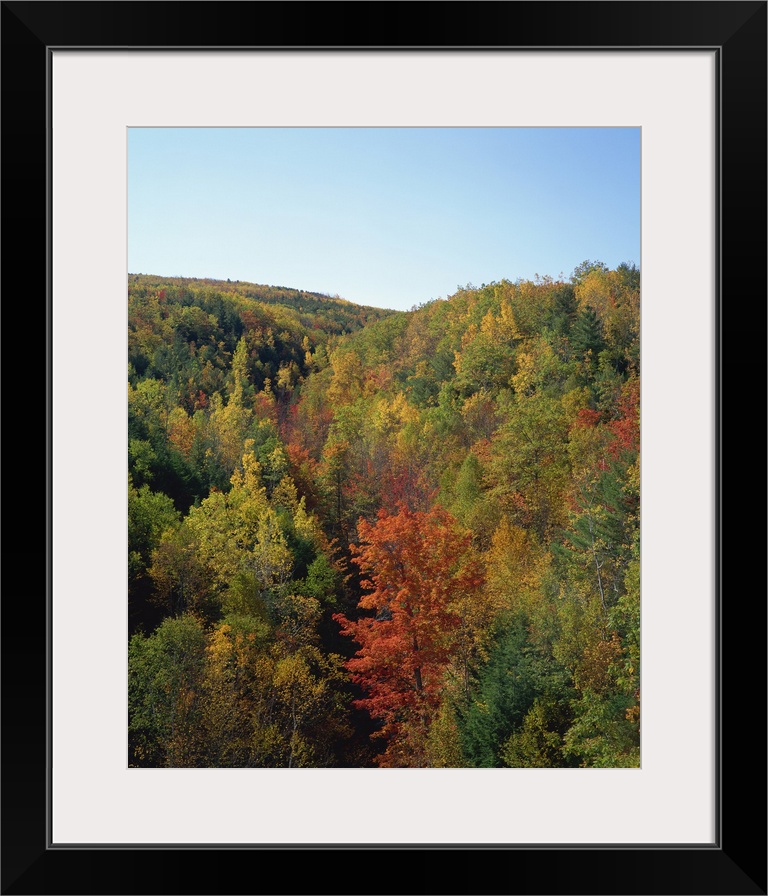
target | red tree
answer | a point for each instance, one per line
(420, 572)
(626, 428)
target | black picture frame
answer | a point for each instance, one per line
(736, 863)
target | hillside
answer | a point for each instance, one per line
(360, 537)
(336, 315)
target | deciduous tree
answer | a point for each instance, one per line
(421, 575)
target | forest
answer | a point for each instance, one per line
(361, 538)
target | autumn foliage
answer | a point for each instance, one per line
(420, 574)
(360, 537)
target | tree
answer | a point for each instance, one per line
(239, 532)
(538, 742)
(347, 383)
(241, 390)
(587, 337)
(149, 515)
(487, 356)
(422, 575)
(503, 693)
(529, 466)
(583, 270)
(182, 580)
(564, 309)
(165, 674)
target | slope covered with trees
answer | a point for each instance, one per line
(369, 538)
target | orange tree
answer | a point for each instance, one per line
(420, 575)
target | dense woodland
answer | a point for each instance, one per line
(363, 538)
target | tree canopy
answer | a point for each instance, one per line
(368, 538)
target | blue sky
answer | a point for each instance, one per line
(391, 217)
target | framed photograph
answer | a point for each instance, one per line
(689, 79)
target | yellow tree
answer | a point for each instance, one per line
(239, 533)
(347, 382)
